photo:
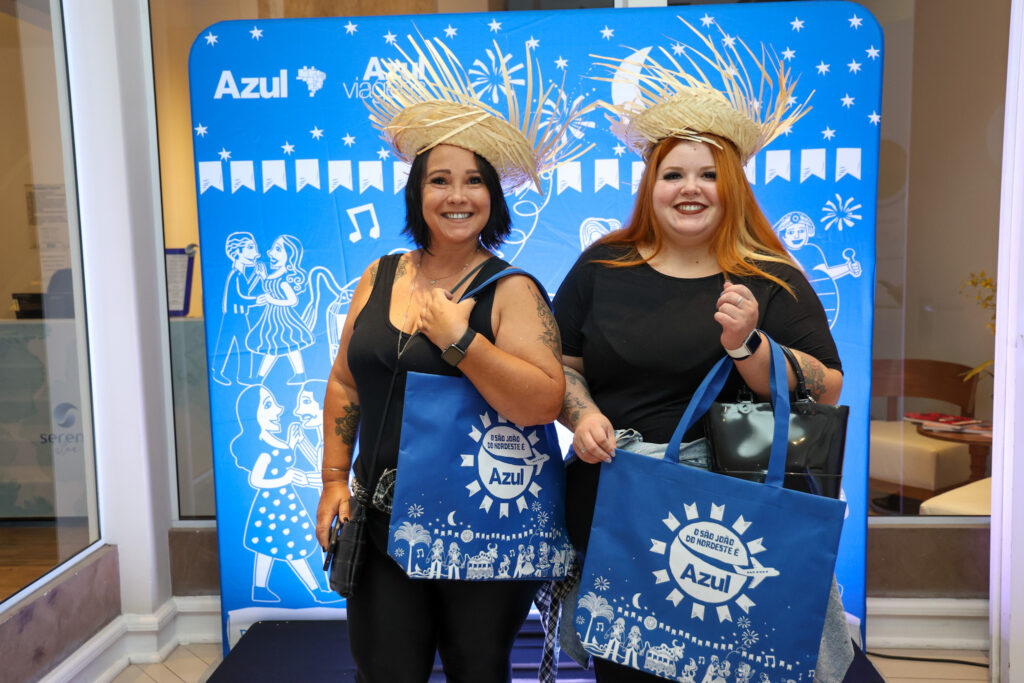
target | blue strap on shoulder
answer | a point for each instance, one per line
(505, 273)
(712, 385)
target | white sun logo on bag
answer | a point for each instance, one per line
(710, 562)
(506, 464)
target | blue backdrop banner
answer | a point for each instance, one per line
(297, 194)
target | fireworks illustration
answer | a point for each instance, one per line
(486, 77)
(840, 213)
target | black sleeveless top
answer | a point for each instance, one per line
(373, 355)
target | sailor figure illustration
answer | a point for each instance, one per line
(454, 561)
(634, 646)
(436, 559)
(796, 229)
(240, 247)
(611, 648)
(280, 331)
(743, 672)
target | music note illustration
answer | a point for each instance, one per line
(770, 660)
(356, 233)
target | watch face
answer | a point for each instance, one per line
(452, 355)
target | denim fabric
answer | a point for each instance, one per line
(835, 654)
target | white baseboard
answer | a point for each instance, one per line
(934, 623)
(141, 639)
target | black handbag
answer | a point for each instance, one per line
(345, 552)
(740, 439)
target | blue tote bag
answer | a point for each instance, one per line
(477, 497)
(695, 576)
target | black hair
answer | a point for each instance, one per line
(498, 225)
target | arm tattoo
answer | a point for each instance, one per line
(400, 270)
(346, 425)
(814, 374)
(549, 336)
(577, 398)
(373, 274)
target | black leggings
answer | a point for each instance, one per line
(396, 624)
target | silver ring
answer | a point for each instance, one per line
(739, 300)
(583, 451)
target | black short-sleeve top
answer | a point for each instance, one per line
(647, 339)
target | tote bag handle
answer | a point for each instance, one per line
(712, 385)
(504, 273)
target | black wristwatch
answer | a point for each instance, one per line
(748, 348)
(454, 354)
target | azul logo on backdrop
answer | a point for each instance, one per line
(710, 562)
(267, 87)
(506, 465)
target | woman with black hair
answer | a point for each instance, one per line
(405, 315)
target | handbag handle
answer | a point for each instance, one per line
(712, 385)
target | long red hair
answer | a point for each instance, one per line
(743, 237)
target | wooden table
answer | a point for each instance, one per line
(979, 444)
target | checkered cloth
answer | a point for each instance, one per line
(549, 601)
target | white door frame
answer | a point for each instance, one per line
(1007, 637)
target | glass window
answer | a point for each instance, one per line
(47, 470)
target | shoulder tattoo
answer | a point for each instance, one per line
(400, 270)
(549, 335)
(373, 273)
(346, 425)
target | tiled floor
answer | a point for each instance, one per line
(194, 664)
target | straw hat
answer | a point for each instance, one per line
(683, 102)
(440, 107)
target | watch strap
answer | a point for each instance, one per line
(748, 347)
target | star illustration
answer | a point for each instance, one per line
(532, 43)
(619, 150)
(210, 38)
(855, 21)
(288, 147)
(450, 32)
(495, 25)
(828, 133)
(389, 38)
(678, 49)
(791, 101)
(383, 153)
(872, 52)
(822, 68)
(201, 130)
(854, 66)
(224, 154)
(607, 33)
(561, 63)
(728, 41)
(874, 118)
(316, 133)
(788, 54)
(348, 140)
(786, 130)
(797, 24)
(847, 101)
(707, 20)
(256, 33)
(350, 28)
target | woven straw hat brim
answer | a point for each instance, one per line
(422, 127)
(689, 116)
